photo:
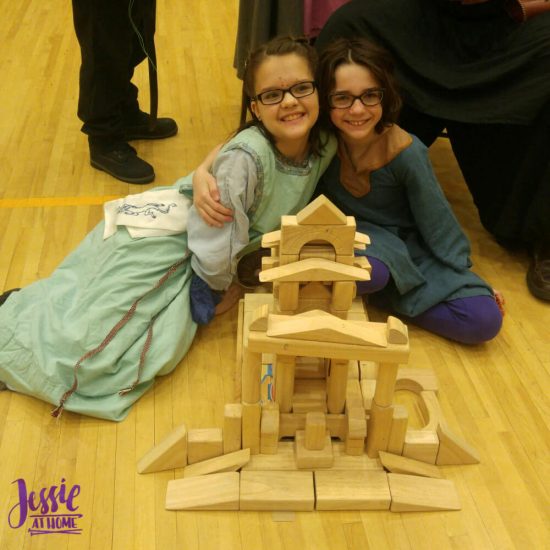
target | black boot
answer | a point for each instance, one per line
(121, 161)
(538, 275)
(137, 127)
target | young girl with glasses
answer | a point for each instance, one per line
(382, 175)
(83, 338)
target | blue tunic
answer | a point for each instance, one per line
(74, 317)
(412, 230)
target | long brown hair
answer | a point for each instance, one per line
(282, 45)
(359, 51)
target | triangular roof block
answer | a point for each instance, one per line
(321, 212)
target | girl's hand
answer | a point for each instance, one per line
(206, 197)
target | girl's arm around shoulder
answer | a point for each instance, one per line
(215, 249)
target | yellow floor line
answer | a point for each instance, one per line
(40, 202)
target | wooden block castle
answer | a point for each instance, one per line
(323, 432)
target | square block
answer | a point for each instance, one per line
(203, 444)
(306, 458)
(266, 490)
(352, 490)
(309, 395)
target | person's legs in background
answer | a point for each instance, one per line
(471, 320)
(108, 103)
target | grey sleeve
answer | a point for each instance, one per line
(214, 249)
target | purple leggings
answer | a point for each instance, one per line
(470, 320)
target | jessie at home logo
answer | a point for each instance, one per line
(48, 511)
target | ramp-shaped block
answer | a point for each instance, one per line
(352, 490)
(268, 490)
(403, 465)
(321, 211)
(324, 327)
(416, 494)
(230, 462)
(453, 449)
(170, 453)
(212, 492)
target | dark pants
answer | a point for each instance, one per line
(506, 168)
(110, 51)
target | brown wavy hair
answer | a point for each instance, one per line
(358, 51)
(279, 46)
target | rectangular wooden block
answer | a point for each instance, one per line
(351, 490)
(354, 395)
(232, 421)
(310, 367)
(415, 493)
(170, 453)
(421, 445)
(316, 429)
(212, 492)
(306, 458)
(337, 424)
(203, 444)
(271, 490)
(284, 459)
(252, 413)
(309, 395)
(368, 387)
(403, 465)
(225, 463)
(399, 423)
(269, 429)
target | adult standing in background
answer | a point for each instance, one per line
(469, 67)
(115, 36)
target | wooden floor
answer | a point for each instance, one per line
(495, 395)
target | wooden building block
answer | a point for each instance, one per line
(237, 387)
(416, 380)
(385, 383)
(269, 429)
(353, 371)
(203, 444)
(321, 211)
(345, 461)
(355, 447)
(351, 490)
(315, 430)
(399, 424)
(232, 427)
(343, 293)
(316, 290)
(453, 449)
(258, 319)
(306, 458)
(318, 251)
(294, 235)
(368, 370)
(309, 395)
(415, 493)
(368, 388)
(225, 463)
(403, 465)
(289, 423)
(337, 385)
(271, 490)
(252, 413)
(397, 331)
(284, 460)
(310, 367)
(284, 381)
(354, 395)
(211, 492)
(170, 453)
(288, 296)
(378, 429)
(421, 445)
(357, 423)
(251, 374)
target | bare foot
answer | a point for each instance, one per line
(231, 296)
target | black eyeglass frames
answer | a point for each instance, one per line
(369, 98)
(272, 97)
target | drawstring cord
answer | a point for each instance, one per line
(56, 412)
